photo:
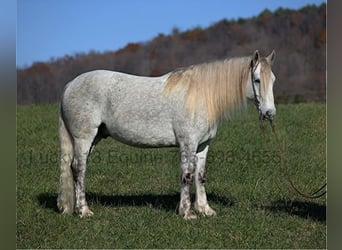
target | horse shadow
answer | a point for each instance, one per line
(168, 202)
(303, 209)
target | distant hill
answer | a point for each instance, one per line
(297, 36)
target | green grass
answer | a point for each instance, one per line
(134, 193)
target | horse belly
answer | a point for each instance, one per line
(145, 134)
(142, 125)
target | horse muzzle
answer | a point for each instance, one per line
(268, 115)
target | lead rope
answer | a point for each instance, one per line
(314, 195)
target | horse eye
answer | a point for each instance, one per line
(257, 80)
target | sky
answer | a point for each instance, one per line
(48, 29)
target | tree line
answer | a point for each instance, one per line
(297, 36)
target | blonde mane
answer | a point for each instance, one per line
(220, 87)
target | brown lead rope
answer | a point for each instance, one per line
(314, 195)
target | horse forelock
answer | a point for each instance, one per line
(220, 87)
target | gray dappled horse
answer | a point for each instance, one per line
(182, 108)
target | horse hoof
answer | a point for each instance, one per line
(64, 209)
(85, 212)
(205, 210)
(210, 212)
(191, 215)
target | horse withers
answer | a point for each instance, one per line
(182, 109)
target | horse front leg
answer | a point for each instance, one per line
(188, 165)
(201, 203)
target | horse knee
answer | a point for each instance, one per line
(188, 166)
(189, 161)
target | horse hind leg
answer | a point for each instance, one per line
(66, 195)
(74, 154)
(82, 147)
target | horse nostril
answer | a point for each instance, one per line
(269, 114)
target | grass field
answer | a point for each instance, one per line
(134, 193)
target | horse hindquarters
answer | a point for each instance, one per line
(66, 195)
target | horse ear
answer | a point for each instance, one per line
(255, 58)
(271, 57)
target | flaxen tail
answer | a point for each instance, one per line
(66, 195)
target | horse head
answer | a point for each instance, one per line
(260, 84)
